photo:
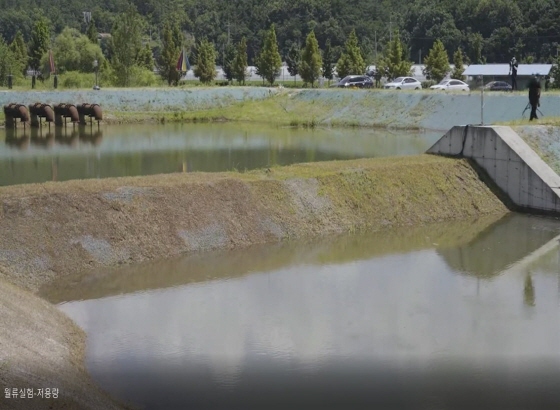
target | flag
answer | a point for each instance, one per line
(183, 64)
(51, 62)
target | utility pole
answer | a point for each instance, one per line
(420, 56)
(390, 29)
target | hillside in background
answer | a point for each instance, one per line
(487, 30)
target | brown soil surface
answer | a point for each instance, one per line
(41, 348)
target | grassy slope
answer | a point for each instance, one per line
(75, 225)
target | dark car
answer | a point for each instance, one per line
(497, 86)
(358, 81)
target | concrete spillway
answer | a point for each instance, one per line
(510, 163)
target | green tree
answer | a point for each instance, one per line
(240, 65)
(92, 32)
(476, 42)
(229, 62)
(311, 60)
(145, 58)
(458, 62)
(73, 51)
(394, 62)
(8, 62)
(555, 73)
(126, 43)
(205, 68)
(437, 64)
(293, 60)
(328, 61)
(40, 41)
(351, 60)
(19, 50)
(170, 52)
(269, 61)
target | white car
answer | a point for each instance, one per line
(451, 85)
(404, 83)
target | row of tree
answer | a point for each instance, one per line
(487, 30)
(125, 56)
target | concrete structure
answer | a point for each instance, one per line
(511, 164)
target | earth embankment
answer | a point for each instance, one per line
(53, 229)
(422, 109)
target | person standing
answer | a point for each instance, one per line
(513, 73)
(534, 97)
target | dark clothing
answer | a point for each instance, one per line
(513, 72)
(534, 97)
(533, 112)
(514, 82)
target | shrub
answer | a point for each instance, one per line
(75, 79)
(428, 83)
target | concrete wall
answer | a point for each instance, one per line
(513, 166)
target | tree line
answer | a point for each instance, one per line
(130, 38)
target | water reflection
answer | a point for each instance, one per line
(529, 291)
(27, 155)
(372, 317)
(47, 139)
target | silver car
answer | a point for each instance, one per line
(404, 83)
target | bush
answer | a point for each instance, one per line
(428, 83)
(142, 77)
(75, 79)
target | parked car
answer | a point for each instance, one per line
(404, 83)
(451, 85)
(497, 86)
(359, 81)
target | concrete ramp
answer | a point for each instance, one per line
(512, 165)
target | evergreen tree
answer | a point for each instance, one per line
(205, 68)
(92, 32)
(40, 41)
(8, 62)
(269, 61)
(476, 42)
(145, 57)
(351, 60)
(240, 65)
(458, 62)
(394, 63)
(126, 43)
(19, 50)
(170, 52)
(328, 62)
(229, 62)
(311, 61)
(293, 60)
(555, 73)
(437, 64)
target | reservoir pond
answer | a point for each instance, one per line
(60, 154)
(452, 315)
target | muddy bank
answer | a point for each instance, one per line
(53, 229)
(41, 348)
(425, 109)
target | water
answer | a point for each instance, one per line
(455, 315)
(118, 150)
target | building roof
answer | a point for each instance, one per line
(503, 69)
